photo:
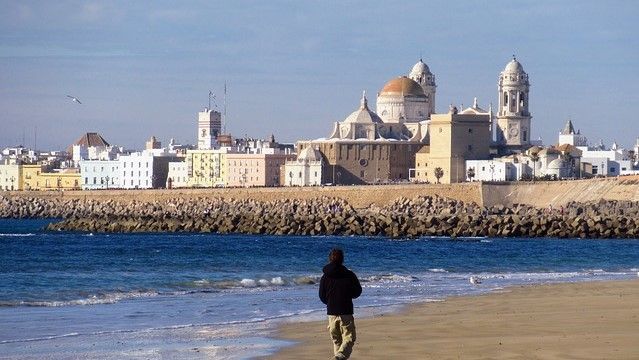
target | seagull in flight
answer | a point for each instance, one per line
(74, 99)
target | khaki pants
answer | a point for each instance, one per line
(342, 330)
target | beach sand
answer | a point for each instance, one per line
(596, 320)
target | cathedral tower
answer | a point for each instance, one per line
(209, 125)
(513, 117)
(422, 75)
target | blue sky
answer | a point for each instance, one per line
(295, 67)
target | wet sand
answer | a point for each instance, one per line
(595, 320)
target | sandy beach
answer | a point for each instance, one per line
(595, 320)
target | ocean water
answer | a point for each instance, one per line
(192, 296)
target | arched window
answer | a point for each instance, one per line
(505, 98)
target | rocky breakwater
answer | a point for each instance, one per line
(421, 216)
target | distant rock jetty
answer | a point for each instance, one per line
(403, 218)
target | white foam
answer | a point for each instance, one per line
(17, 235)
(248, 283)
(277, 280)
(263, 282)
(108, 298)
(437, 270)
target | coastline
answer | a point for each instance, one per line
(586, 320)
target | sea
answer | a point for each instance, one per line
(207, 296)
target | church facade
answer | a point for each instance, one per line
(405, 139)
(379, 146)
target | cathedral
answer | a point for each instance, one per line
(382, 145)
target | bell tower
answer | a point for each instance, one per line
(421, 74)
(513, 116)
(209, 124)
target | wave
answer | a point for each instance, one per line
(437, 270)
(280, 282)
(385, 278)
(18, 235)
(103, 298)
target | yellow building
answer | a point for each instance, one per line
(31, 176)
(207, 168)
(454, 138)
(11, 177)
(35, 179)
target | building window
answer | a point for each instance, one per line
(612, 170)
(470, 130)
(470, 148)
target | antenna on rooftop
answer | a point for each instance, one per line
(224, 122)
(210, 94)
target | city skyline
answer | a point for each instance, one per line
(293, 69)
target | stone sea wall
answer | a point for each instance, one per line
(403, 217)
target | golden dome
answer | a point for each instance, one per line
(402, 85)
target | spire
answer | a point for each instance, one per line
(568, 129)
(364, 101)
(475, 103)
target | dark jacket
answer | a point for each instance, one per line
(338, 287)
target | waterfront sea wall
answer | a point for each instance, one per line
(539, 194)
(421, 216)
(608, 208)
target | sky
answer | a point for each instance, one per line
(293, 68)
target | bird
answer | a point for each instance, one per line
(475, 280)
(74, 99)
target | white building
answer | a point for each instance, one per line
(10, 177)
(490, 170)
(209, 126)
(144, 170)
(607, 162)
(92, 146)
(17, 155)
(306, 170)
(178, 176)
(100, 174)
(569, 136)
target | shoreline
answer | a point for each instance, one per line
(589, 320)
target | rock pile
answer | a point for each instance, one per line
(422, 216)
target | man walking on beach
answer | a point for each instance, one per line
(338, 287)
